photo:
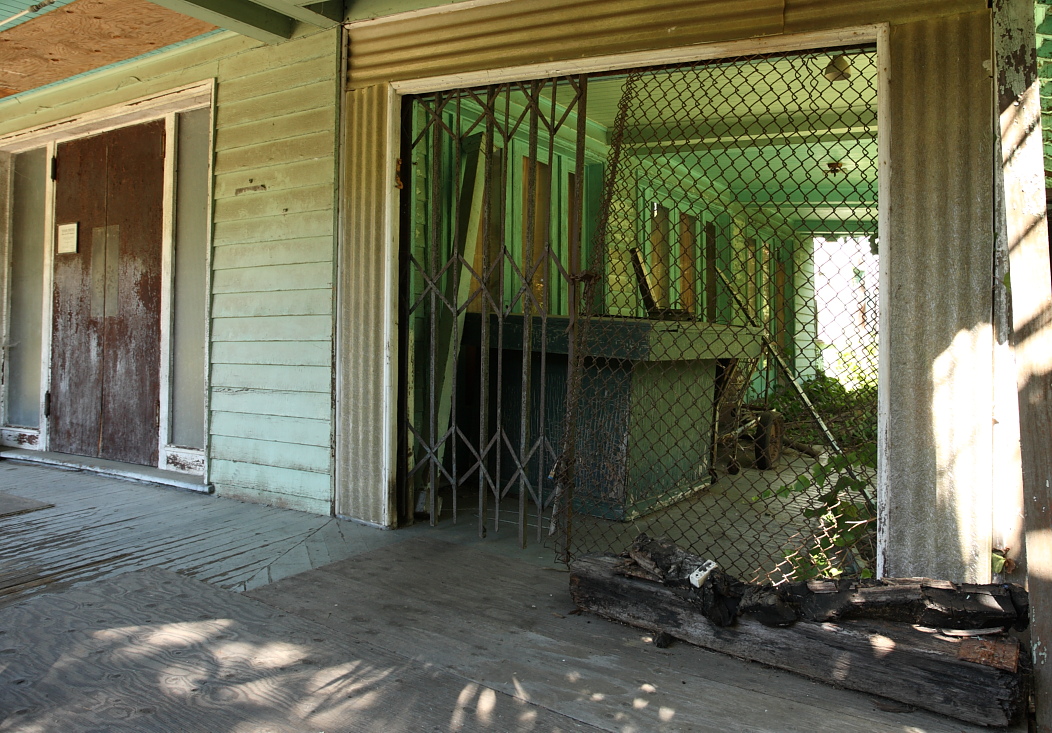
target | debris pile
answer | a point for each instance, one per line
(922, 601)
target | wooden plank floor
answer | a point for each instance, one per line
(155, 652)
(10, 505)
(100, 527)
(490, 623)
(509, 625)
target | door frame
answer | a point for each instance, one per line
(388, 138)
(163, 106)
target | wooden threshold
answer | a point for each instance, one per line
(103, 467)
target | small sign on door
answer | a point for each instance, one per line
(67, 239)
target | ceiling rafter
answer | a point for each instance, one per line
(270, 21)
(311, 13)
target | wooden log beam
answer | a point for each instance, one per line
(976, 680)
(936, 603)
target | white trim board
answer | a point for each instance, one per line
(171, 155)
(133, 112)
(12, 437)
(7, 177)
(391, 323)
(448, 7)
(884, 172)
(46, 315)
(146, 474)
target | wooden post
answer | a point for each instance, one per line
(1030, 293)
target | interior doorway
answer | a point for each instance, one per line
(104, 398)
(613, 285)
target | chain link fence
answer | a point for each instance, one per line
(724, 386)
(647, 301)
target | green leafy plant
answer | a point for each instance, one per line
(844, 540)
(851, 415)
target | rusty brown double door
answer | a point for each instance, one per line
(105, 343)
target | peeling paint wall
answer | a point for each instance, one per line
(1043, 17)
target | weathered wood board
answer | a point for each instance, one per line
(895, 661)
(86, 35)
(101, 527)
(923, 601)
(153, 652)
(498, 620)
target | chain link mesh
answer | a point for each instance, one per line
(688, 257)
(724, 387)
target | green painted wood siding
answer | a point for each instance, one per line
(273, 249)
(276, 117)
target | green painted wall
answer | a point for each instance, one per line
(276, 121)
(271, 425)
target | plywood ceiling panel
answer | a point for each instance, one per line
(85, 35)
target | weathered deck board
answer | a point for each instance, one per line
(492, 615)
(506, 623)
(101, 527)
(153, 652)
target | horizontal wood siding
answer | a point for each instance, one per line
(272, 303)
(276, 116)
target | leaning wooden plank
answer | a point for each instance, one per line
(458, 290)
(895, 661)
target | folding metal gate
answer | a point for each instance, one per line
(647, 302)
(493, 240)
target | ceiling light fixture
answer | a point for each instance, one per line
(834, 167)
(839, 69)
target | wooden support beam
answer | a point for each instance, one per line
(924, 601)
(1024, 235)
(331, 9)
(302, 13)
(977, 679)
(241, 16)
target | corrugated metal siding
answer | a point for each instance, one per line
(363, 420)
(273, 249)
(938, 343)
(532, 31)
(539, 31)
(809, 15)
